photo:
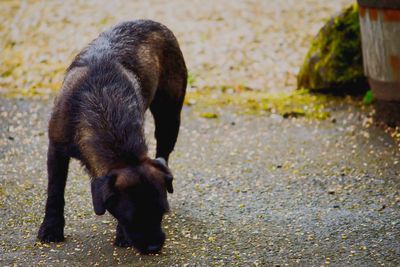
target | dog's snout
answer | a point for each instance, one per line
(156, 243)
(153, 248)
(148, 243)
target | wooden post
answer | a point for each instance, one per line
(380, 35)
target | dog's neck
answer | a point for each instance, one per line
(112, 130)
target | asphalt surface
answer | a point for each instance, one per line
(249, 191)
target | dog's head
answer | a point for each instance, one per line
(137, 198)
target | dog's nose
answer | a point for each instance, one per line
(154, 248)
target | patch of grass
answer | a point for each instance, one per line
(368, 98)
(209, 115)
(191, 79)
(299, 103)
(3, 195)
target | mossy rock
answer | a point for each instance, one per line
(334, 62)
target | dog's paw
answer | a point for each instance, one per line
(51, 232)
(120, 241)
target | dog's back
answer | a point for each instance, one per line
(136, 45)
(109, 118)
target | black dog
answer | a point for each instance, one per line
(98, 118)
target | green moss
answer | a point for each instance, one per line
(335, 57)
(295, 104)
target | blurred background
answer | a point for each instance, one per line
(254, 44)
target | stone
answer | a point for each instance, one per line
(334, 62)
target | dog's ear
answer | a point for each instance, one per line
(101, 192)
(161, 162)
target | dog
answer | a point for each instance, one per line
(98, 118)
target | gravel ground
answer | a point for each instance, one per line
(257, 44)
(250, 190)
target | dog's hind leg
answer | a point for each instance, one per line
(52, 228)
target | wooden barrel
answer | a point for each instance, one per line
(380, 35)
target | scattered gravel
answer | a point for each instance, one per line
(249, 191)
(257, 44)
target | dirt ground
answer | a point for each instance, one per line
(250, 190)
(257, 44)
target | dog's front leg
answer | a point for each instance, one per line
(120, 239)
(52, 228)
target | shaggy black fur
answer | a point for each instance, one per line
(98, 118)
